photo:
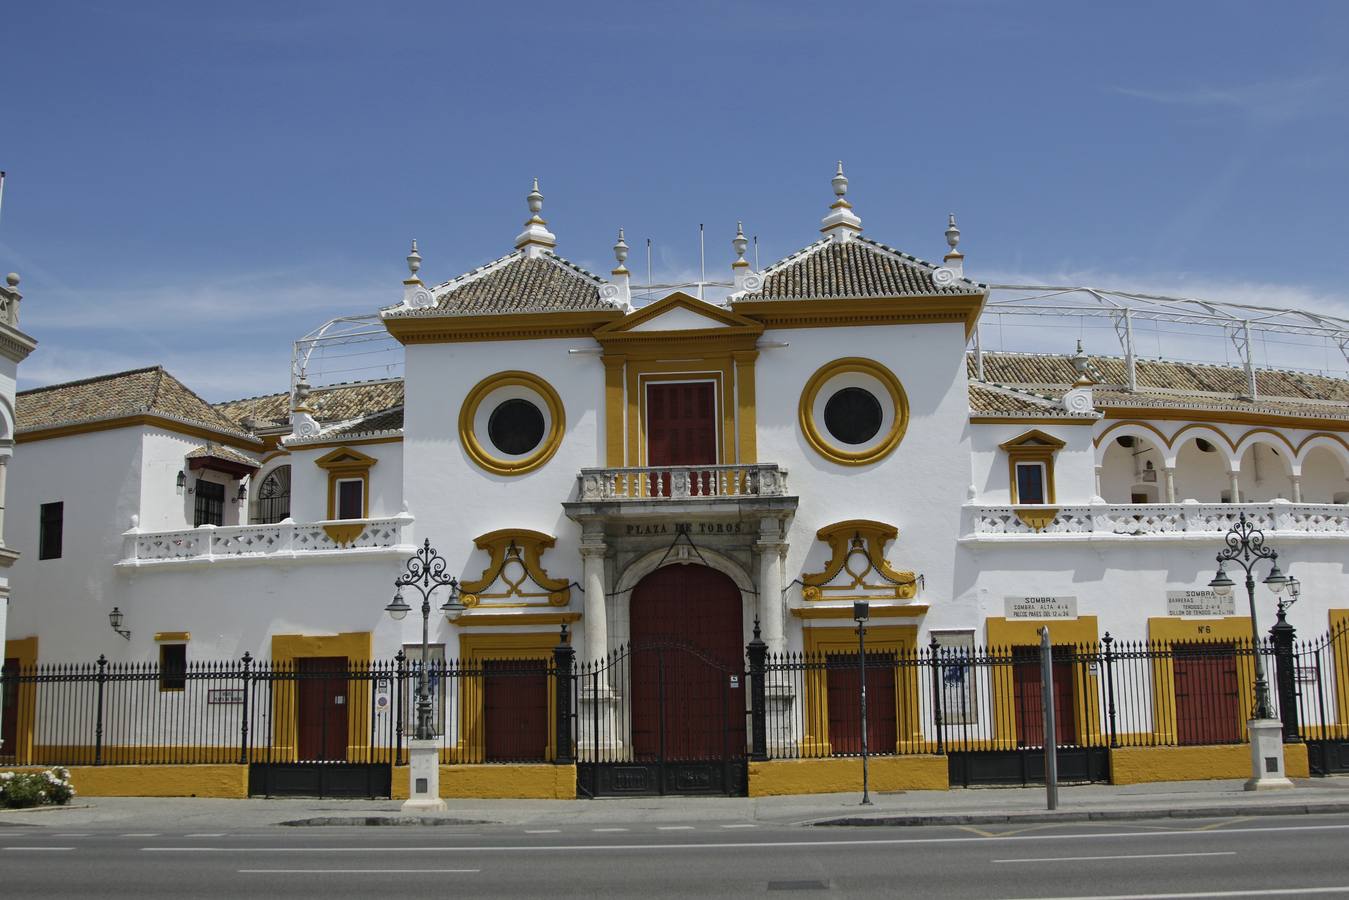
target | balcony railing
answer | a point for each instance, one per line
(681, 482)
(284, 540)
(1158, 521)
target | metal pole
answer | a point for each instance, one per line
(862, 664)
(1047, 699)
(1262, 710)
(423, 694)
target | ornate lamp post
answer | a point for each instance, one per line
(1246, 547)
(861, 611)
(426, 573)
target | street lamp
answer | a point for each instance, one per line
(1245, 547)
(426, 573)
(861, 611)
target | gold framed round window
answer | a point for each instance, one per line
(853, 411)
(511, 423)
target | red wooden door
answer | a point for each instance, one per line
(844, 684)
(9, 725)
(321, 708)
(1208, 709)
(515, 710)
(1029, 698)
(681, 430)
(688, 694)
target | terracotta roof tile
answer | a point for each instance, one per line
(331, 403)
(856, 268)
(516, 284)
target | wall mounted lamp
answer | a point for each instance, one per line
(181, 481)
(115, 620)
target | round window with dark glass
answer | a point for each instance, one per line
(515, 427)
(853, 415)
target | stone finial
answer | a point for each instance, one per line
(415, 294)
(12, 279)
(740, 244)
(841, 223)
(954, 259)
(745, 278)
(536, 238)
(621, 254)
(414, 262)
(1082, 366)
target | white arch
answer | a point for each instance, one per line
(1133, 430)
(679, 554)
(1274, 441)
(1324, 440)
(1217, 439)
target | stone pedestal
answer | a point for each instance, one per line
(784, 734)
(1267, 771)
(423, 777)
(597, 736)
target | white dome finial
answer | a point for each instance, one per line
(536, 238)
(621, 250)
(841, 223)
(840, 181)
(740, 244)
(952, 232)
(414, 260)
(535, 199)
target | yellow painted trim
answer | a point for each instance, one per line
(478, 647)
(498, 782)
(515, 327)
(476, 450)
(877, 611)
(1033, 446)
(1002, 635)
(175, 636)
(815, 431)
(1172, 630)
(844, 311)
(353, 442)
(777, 778)
(823, 641)
(843, 538)
(530, 546)
(1037, 517)
(1224, 416)
(354, 646)
(1164, 442)
(1339, 626)
(219, 781)
(483, 620)
(344, 534)
(1321, 434)
(1145, 765)
(145, 420)
(613, 410)
(728, 320)
(746, 413)
(344, 464)
(982, 419)
(25, 651)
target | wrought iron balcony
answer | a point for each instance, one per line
(1152, 521)
(655, 483)
(257, 543)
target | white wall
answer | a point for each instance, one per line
(309, 482)
(1074, 465)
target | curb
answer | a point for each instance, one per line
(1096, 815)
(383, 820)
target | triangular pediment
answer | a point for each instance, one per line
(678, 312)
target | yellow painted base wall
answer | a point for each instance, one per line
(227, 781)
(829, 776)
(524, 782)
(1140, 765)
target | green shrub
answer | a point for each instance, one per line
(19, 790)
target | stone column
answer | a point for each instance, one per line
(1236, 487)
(596, 725)
(1098, 482)
(595, 614)
(4, 468)
(1170, 475)
(772, 550)
(1297, 488)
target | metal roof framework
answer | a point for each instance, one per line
(1238, 321)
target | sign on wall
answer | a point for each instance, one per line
(1199, 603)
(1041, 607)
(958, 698)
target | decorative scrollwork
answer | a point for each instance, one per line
(944, 277)
(752, 282)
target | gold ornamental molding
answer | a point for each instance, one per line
(845, 312)
(345, 464)
(512, 327)
(857, 560)
(515, 558)
(876, 611)
(478, 452)
(817, 434)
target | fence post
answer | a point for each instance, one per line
(243, 726)
(401, 660)
(98, 720)
(757, 651)
(563, 657)
(1285, 676)
(934, 652)
(1109, 643)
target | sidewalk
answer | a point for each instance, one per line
(956, 807)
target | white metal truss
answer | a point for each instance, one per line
(339, 336)
(1238, 321)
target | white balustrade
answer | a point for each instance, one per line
(284, 540)
(1159, 521)
(681, 482)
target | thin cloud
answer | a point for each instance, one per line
(1273, 101)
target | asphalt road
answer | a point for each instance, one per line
(1256, 857)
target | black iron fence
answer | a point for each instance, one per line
(671, 704)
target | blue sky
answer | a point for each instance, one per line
(198, 184)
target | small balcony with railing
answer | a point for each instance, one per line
(1137, 522)
(283, 541)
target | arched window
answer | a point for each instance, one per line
(271, 500)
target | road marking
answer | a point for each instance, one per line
(543, 831)
(608, 829)
(1266, 892)
(358, 871)
(141, 834)
(71, 834)
(674, 827)
(1122, 856)
(30, 849)
(744, 825)
(207, 834)
(742, 845)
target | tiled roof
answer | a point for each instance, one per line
(516, 283)
(1000, 400)
(858, 268)
(219, 451)
(1164, 384)
(138, 392)
(330, 403)
(382, 422)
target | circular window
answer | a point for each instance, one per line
(515, 427)
(853, 415)
(511, 423)
(853, 411)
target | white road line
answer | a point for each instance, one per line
(1044, 859)
(543, 831)
(358, 871)
(30, 849)
(71, 834)
(742, 845)
(608, 829)
(207, 834)
(141, 834)
(674, 827)
(1265, 892)
(744, 825)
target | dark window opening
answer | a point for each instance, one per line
(515, 427)
(210, 506)
(172, 667)
(1030, 483)
(853, 415)
(272, 498)
(51, 525)
(351, 499)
